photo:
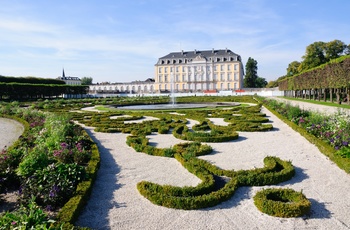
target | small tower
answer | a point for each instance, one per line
(63, 75)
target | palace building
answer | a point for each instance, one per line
(199, 71)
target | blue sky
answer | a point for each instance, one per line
(120, 41)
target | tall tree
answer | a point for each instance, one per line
(293, 68)
(260, 82)
(251, 73)
(86, 80)
(334, 49)
(314, 56)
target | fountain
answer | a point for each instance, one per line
(173, 104)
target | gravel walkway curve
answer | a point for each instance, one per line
(116, 204)
(10, 130)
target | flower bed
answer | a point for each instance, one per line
(47, 165)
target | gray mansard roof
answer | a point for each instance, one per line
(209, 55)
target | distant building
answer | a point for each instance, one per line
(199, 71)
(134, 87)
(70, 80)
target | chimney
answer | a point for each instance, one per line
(182, 52)
(195, 51)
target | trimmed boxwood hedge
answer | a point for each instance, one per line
(282, 202)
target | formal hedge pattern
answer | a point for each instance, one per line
(217, 185)
(282, 202)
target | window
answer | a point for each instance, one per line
(229, 76)
(165, 69)
(228, 86)
(183, 77)
(236, 67)
(222, 86)
(222, 77)
(215, 68)
(236, 77)
(215, 77)
(183, 69)
(177, 78)
(235, 84)
(221, 67)
(159, 69)
(171, 69)
(228, 67)
(177, 69)
(159, 78)
(165, 78)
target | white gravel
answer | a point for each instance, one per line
(10, 130)
(115, 202)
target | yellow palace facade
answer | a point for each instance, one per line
(199, 71)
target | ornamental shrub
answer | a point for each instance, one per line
(282, 202)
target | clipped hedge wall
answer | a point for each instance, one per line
(282, 202)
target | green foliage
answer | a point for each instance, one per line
(251, 73)
(53, 185)
(26, 217)
(37, 159)
(282, 202)
(27, 91)
(86, 80)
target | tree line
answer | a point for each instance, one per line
(322, 82)
(316, 54)
(19, 88)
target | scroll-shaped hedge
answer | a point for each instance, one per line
(282, 202)
(215, 135)
(274, 171)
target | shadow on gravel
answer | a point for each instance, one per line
(241, 194)
(95, 212)
(298, 177)
(318, 210)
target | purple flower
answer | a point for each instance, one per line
(345, 143)
(13, 222)
(64, 145)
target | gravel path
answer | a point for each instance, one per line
(116, 204)
(314, 107)
(10, 130)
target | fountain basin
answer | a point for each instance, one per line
(174, 106)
